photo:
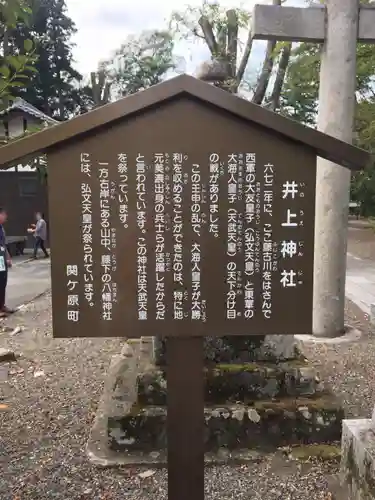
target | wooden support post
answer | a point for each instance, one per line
(185, 420)
(336, 117)
(338, 25)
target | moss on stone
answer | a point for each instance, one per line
(325, 401)
(369, 477)
(260, 425)
(236, 368)
(238, 382)
(135, 409)
(364, 482)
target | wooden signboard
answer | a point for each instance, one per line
(181, 212)
(182, 221)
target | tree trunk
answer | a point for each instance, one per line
(100, 88)
(232, 43)
(95, 89)
(209, 36)
(61, 105)
(6, 44)
(280, 77)
(244, 60)
(264, 78)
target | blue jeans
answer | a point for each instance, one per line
(3, 286)
(39, 243)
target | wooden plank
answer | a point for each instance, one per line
(185, 421)
(291, 24)
(366, 31)
(298, 24)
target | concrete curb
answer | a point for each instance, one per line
(14, 330)
(38, 296)
(31, 259)
(23, 262)
(351, 335)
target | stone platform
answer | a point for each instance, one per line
(231, 383)
(358, 459)
(253, 405)
(263, 425)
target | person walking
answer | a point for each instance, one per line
(5, 264)
(40, 234)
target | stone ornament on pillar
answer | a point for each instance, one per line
(213, 71)
(216, 72)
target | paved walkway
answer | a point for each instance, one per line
(360, 282)
(27, 280)
(30, 279)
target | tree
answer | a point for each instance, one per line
(101, 87)
(299, 100)
(285, 53)
(219, 30)
(94, 93)
(14, 65)
(142, 61)
(222, 31)
(54, 88)
(299, 97)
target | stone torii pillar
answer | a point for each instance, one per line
(338, 25)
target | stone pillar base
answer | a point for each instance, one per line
(358, 459)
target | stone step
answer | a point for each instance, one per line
(262, 425)
(239, 349)
(225, 383)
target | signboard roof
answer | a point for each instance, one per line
(323, 145)
(182, 210)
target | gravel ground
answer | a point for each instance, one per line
(48, 401)
(349, 368)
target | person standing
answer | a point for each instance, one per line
(5, 264)
(40, 234)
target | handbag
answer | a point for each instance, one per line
(3, 264)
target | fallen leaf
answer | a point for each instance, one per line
(146, 474)
(18, 329)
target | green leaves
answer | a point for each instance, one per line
(28, 45)
(17, 84)
(14, 68)
(15, 62)
(300, 92)
(4, 72)
(142, 61)
(300, 101)
(14, 11)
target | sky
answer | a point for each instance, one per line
(104, 24)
